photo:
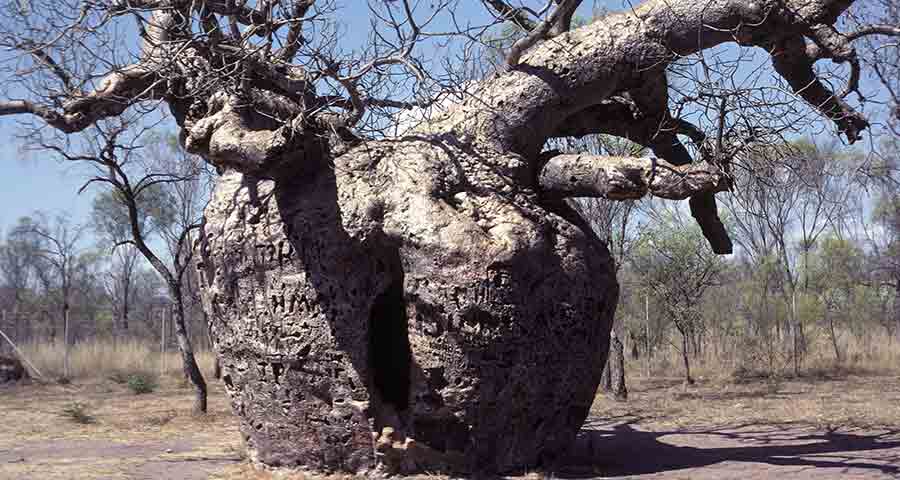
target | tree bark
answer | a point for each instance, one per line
(616, 367)
(400, 292)
(685, 358)
(896, 312)
(188, 361)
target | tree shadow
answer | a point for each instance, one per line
(617, 448)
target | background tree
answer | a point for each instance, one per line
(835, 276)
(58, 249)
(674, 261)
(17, 255)
(151, 200)
(111, 222)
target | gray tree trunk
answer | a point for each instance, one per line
(386, 296)
(613, 380)
(188, 361)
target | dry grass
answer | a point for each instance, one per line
(871, 354)
(839, 399)
(101, 358)
(133, 433)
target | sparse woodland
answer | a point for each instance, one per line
(400, 219)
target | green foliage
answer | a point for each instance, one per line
(110, 213)
(78, 413)
(838, 265)
(142, 382)
(675, 261)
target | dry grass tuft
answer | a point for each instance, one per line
(105, 358)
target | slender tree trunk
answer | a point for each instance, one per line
(217, 365)
(66, 342)
(647, 351)
(125, 301)
(795, 330)
(834, 343)
(897, 307)
(616, 366)
(684, 357)
(17, 324)
(191, 370)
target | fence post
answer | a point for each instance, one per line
(647, 331)
(162, 344)
(66, 345)
(4, 323)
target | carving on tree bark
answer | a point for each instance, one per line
(430, 301)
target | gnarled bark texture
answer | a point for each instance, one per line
(410, 291)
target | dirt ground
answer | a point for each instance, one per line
(821, 428)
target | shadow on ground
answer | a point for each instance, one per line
(621, 447)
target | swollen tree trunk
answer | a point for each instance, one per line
(391, 297)
(217, 363)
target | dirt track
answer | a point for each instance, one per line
(786, 451)
(654, 435)
(52, 459)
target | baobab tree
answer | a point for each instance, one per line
(430, 300)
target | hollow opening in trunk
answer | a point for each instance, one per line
(389, 354)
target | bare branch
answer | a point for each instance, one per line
(891, 30)
(519, 16)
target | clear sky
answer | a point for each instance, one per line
(33, 183)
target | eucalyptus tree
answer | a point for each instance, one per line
(110, 219)
(151, 191)
(674, 262)
(59, 250)
(434, 289)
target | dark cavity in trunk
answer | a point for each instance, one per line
(389, 351)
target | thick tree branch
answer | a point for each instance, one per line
(627, 178)
(791, 60)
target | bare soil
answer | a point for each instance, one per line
(839, 427)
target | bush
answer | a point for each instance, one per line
(77, 412)
(141, 383)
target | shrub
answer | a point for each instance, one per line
(77, 412)
(141, 383)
